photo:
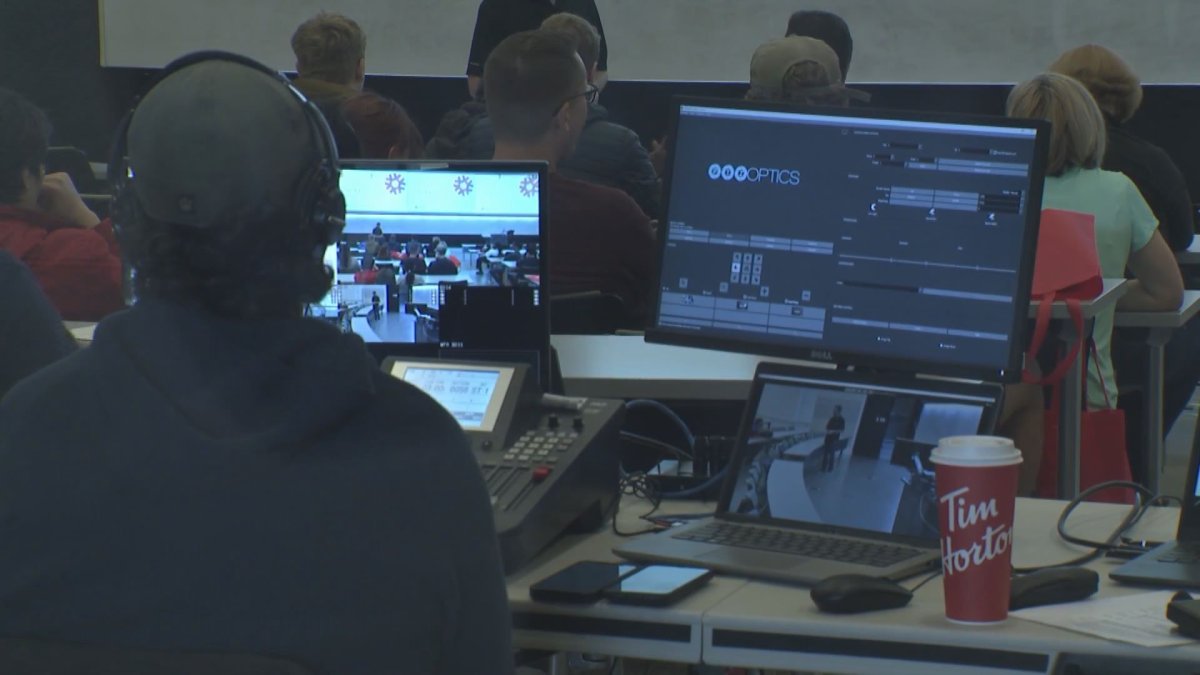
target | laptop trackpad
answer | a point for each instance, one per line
(750, 559)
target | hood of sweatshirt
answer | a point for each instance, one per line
(260, 382)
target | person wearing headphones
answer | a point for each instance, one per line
(210, 475)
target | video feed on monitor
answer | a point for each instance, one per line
(857, 459)
(410, 231)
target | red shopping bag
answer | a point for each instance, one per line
(1067, 268)
(1102, 454)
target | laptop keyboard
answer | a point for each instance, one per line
(854, 551)
(1181, 554)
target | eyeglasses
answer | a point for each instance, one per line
(591, 95)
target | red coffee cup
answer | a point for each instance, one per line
(977, 491)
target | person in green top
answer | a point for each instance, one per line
(1127, 236)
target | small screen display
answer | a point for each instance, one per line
(466, 394)
(659, 579)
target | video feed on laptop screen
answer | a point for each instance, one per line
(852, 237)
(414, 231)
(852, 457)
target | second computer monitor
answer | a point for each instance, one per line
(871, 237)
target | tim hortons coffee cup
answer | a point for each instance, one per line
(976, 493)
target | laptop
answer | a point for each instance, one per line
(1174, 564)
(830, 474)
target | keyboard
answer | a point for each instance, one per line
(855, 551)
(1184, 554)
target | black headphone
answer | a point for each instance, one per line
(318, 200)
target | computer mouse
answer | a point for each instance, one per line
(855, 593)
(1052, 586)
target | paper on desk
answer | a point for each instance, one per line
(1140, 618)
(83, 333)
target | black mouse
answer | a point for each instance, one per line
(1052, 586)
(854, 593)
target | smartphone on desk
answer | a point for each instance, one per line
(657, 585)
(580, 583)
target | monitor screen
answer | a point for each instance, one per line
(414, 228)
(867, 237)
(850, 452)
(473, 395)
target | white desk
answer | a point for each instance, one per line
(1190, 255)
(1160, 325)
(768, 625)
(1072, 389)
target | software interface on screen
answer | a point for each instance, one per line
(466, 394)
(822, 452)
(388, 266)
(857, 235)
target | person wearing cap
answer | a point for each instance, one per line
(331, 66)
(599, 240)
(799, 70)
(210, 474)
(828, 28)
(44, 223)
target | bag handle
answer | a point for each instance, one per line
(1075, 310)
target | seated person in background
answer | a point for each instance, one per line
(45, 224)
(437, 241)
(412, 260)
(1127, 237)
(497, 19)
(231, 488)
(367, 273)
(798, 70)
(441, 264)
(32, 333)
(384, 129)
(598, 237)
(331, 65)
(828, 28)
(607, 153)
(1118, 92)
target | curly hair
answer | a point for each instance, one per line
(266, 269)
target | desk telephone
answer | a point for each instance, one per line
(547, 468)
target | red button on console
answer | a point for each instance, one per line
(540, 473)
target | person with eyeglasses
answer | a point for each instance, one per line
(608, 153)
(599, 239)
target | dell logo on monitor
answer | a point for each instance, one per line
(821, 355)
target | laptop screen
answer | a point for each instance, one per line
(849, 450)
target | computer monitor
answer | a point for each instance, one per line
(871, 237)
(392, 281)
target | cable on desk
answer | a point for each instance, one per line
(636, 484)
(1131, 518)
(670, 414)
(656, 444)
(931, 577)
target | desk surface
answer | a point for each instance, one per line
(1191, 255)
(768, 625)
(1171, 319)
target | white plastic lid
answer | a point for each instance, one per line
(976, 451)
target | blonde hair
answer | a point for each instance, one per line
(582, 33)
(328, 47)
(1114, 85)
(1077, 134)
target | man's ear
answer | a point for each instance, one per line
(360, 70)
(562, 117)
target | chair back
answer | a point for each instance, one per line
(50, 657)
(586, 313)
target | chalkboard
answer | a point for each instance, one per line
(927, 41)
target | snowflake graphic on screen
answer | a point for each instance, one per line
(463, 185)
(394, 183)
(529, 186)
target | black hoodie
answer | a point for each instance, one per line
(193, 482)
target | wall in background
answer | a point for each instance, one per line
(945, 41)
(49, 51)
